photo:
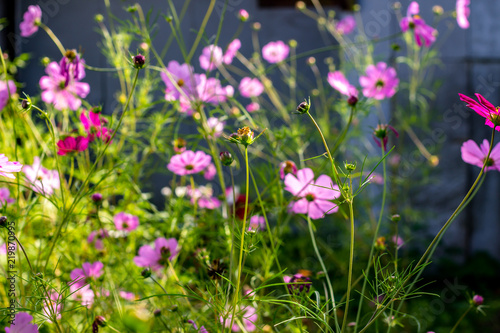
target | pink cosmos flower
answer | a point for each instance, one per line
(216, 126)
(72, 67)
(477, 300)
(82, 276)
(243, 15)
(463, 12)
(42, 180)
(202, 329)
(22, 321)
(484, 109)
(275, 52)
(211, 57)
(189, 162)
(7, 168)
(287, 167)
(53, 306)
(229, 194)
(127, 295)
(338, 82)
(421, 30)
(31, 20)
(207, 90)
(94, 126)
(313, 197)
(231, 51)
(83, 294)
(203, 195)
(72, 145)
(62, 90)
(5, 196)
(124, 221)
(210, 172)
(3, 248)
(249, 317)
(250, 87)
(4, 92)
(398, 241)
(252, 107)
(346, 25)
(257, 223)
(165, 250)
(476, 155)
(96, 238)
(380, 81)
(181, 76)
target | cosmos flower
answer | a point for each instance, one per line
(338, 82)
(287, 167)
(484, 109)
(82, 276)
(249, 317)
(476, 155)
(211, 57)
(216, 126)
(250, 87)
(7, 168)
(463, 12)
(380, 81)
(93, 124)
(71, 144)
(22, 320)
(421, 30)
(31, 20)
(5, 196)
(257, 223)
(203, 195)
(312, 197)
(180, 79)
(125, 221)
(275, 52)
(210, 172)
(96, 238)
(297, 283)
(42, 180)
(4, 92)
(346, 25)
(231, 51)
(189, 162)
(165, 250)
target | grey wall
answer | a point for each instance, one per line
(472, 64)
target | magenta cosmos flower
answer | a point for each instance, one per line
(287, 167)
(231, 51)
(7, 168)
(42, 180)
(297, 283)
(484, 109)
(421, 30)
(179, 79)
(82, 276)
(338, 82)
(31, 20)
(211, 57)
(94, 126)
(207, 90)
(22, 321)
(346, 25)
(165, 250)
(124, 221)
(250, 87)
(96, 238)
(476, 155)
(71, 144)
(380, 81)
(313, 197)
(275, 52)
(257, 223)
(249, 317)
(463, 12)
(5, 89)
(189, 162)
(62, 90)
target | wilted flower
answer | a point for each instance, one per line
(275, 52)
(72, 145)
(346, 25)
(31, 20)
(463, 12)
(125, 221)
(5, 89)
(7, 168)
(476, 155)
(250, 87)
(22, 320)
(165, 250)
(287, 167)
(189, 162)
(313, 197)
(380, 81)
(417, 24)
(484, 109)
(42, 180)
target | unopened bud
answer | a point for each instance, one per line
(395, 218)
(243, 15)
(97, 198)
(226, 158)
(477, 300)
(26, 104)
(146, 273)
(352, 100)
(139, 61)
(3, 221)
(101, 321)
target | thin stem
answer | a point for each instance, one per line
(193, 196)
(460, 319)
(323, 267)
(154, 280)
(351, 262)
(201, 31)
(54, 38)
(242, 243)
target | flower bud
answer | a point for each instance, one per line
(350, 166)
(256, 26)
(243, 15)
(395, 218)
(139, 61)
(300, 5)
(97, 198)
(146, 273)
(311, 61)
(157, 312)
(226, 158)
(303, 107)
(3, 221)
(101, 321)
(26, 104)
(292, 43)
(99, 18)
(352, 100)
(438, 10)
(477, 299)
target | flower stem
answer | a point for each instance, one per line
(237, 290)
(351, 262)
(460, 319)
(193, 196)
(323, 267)
(54, 38)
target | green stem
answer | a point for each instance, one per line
(372, 248)
(193, 196)
(242, 243)
(201, 31)
(323, 267)
(351, 262)
(54, 38)
(460, 319)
